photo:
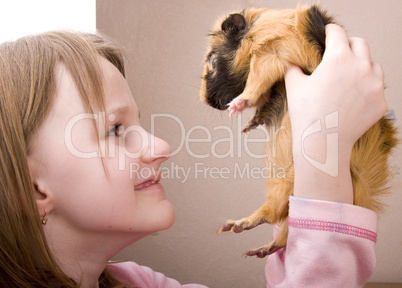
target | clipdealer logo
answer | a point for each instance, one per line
(199, 170)
(330, 165)
(145, 144)
(147, 140)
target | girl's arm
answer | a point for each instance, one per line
(330, 242)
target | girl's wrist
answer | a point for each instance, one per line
(322, 169)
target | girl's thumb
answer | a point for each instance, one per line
(294, 77)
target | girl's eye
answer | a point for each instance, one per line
(115, 130)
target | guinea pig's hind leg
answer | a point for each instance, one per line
(279, 242)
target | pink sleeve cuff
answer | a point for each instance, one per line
(332, 216)
(329, 245)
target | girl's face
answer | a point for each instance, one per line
(79, 192)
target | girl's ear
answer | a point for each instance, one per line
(43, 195)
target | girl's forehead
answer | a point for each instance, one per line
(111, 80)
(116, 88)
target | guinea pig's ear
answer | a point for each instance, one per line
(234, 22)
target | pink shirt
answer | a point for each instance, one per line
(329, 245)
(143, 277)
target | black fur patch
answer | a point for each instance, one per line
(317, 19)
(235, 22)
(224, 86)
(221, 84)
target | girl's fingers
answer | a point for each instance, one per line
(360, 47)
(336, 37)
(378, 71)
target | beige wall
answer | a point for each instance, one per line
(168, 40)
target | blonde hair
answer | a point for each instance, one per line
(26, 88)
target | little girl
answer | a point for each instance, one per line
(70, 131)
(68, 123)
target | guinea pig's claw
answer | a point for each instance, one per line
(237, 106)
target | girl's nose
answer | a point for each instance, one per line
(158, 150)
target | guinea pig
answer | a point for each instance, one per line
(248, 55)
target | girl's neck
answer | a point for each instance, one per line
(83, 256)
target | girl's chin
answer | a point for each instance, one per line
(170, 215)
(164, 217)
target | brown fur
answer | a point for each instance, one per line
(258, 58)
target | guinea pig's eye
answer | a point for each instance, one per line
(214, 62)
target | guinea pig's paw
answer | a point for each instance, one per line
(262, 251)
(241, 225)
(237, 105)
(227, 226)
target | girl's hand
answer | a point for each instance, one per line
(329, 111)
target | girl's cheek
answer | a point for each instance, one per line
(124, 151)
(80, 138)
(136, 142)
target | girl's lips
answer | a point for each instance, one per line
(145, 184)
(154, 179)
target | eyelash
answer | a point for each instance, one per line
(114, 130)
